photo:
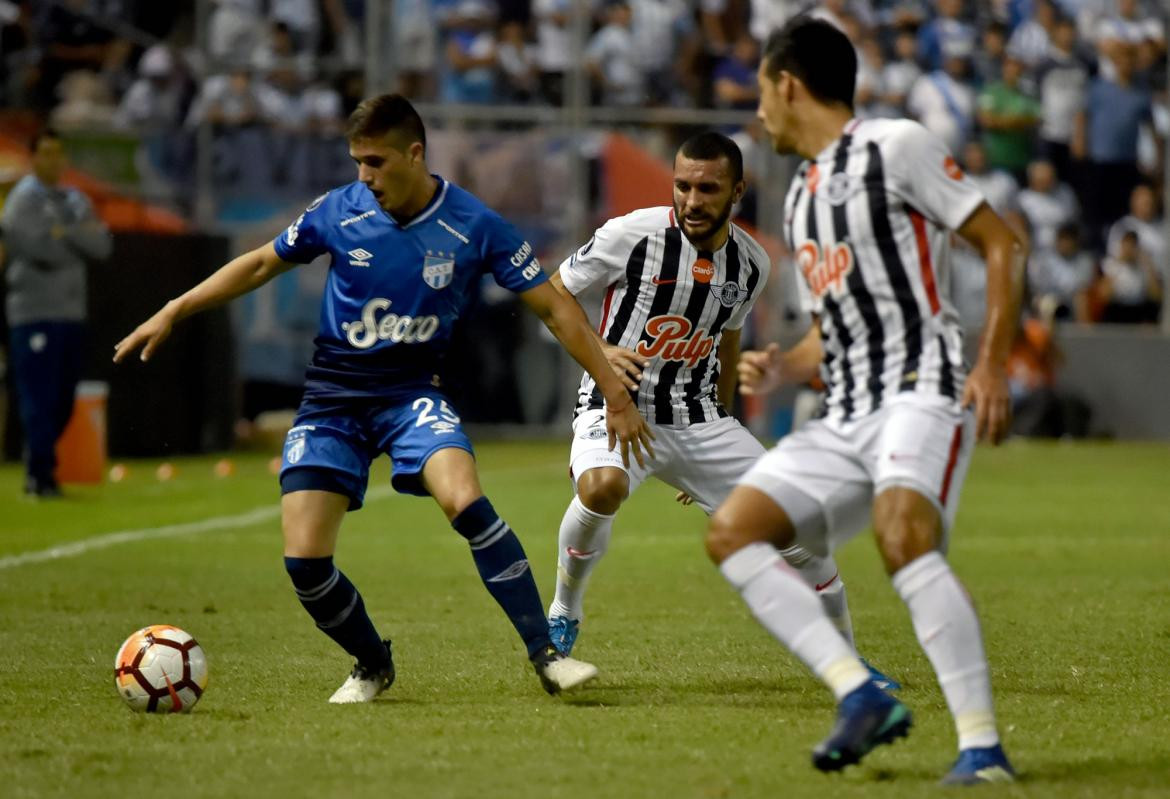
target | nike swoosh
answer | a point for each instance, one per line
(659, 282)
(827, 583)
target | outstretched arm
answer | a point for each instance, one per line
(764, 371)
(564, 318)
(238, 276)
(987, 385)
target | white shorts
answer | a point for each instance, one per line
(826, 474)
(706, 460)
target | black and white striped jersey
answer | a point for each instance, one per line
(869, 223)
(670, 302)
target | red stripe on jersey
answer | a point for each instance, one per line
(924, 263)
(672, 223)
(605, 309)
(952, 459)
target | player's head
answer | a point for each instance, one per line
(708, 182)
(388, 142)
(48, 156)
(806, 64)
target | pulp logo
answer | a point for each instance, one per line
(824, 273)
(668, 340)
(359, 257)
(703, 270)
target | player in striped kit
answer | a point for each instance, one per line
(868, 217)
(681, 280)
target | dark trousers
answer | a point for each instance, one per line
(1108, 200)
(46, 366)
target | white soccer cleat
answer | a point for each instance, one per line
(362, 685)
(559, 673)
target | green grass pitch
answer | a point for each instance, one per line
(1065, 548)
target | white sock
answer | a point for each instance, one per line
(948, 629)
(791, 612)
(821, 575)
(583, 539)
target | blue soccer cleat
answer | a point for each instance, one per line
(867, 717)
(979, 766)
(881, 680)
(563, 632)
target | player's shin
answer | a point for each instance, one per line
(821, 575)
(948, 629)
(503, 567)
(337, 607)
(791, 612)
(582, 541)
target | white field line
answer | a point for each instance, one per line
(265, 513)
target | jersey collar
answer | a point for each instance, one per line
(428, 209)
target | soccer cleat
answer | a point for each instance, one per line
(978, 766)
(866, 717)
(364, 684)
(563, 632)
(559, 672)
(881, 680)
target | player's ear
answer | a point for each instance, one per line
(417, 152)
(738, 191)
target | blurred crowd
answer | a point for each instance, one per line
(1057, 108)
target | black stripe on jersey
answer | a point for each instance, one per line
(903, 292)
(875, 335)
(691, 392)
(946, 379)
(834, 311)
(668, 374)
(621, 319)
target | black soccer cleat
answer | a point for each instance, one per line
(867, 717)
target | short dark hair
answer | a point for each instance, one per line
(817, 53)
(41, 135)
(385, 114)
(710, 146)
(1069, 230)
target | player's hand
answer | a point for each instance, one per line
(987, 390)
(628, 427)
(626, 364)
(148, 336)
(683, 498)
(759, 370)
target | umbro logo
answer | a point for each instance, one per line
(517, 569)
(359, 257)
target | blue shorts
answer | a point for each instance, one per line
(332, 443)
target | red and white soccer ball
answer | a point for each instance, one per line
(160, 669)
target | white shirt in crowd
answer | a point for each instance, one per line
(1047, 211)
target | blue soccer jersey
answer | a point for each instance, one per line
(394, 291)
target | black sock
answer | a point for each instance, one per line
(338, 609)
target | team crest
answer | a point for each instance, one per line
(730, 294)
(839, 188)
(296, 450)
(438, 271)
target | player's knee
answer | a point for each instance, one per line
(725, 536)
(603, 490)
(906, 527)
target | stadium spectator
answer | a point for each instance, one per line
(1063, 81)
(553, 46)
(516, 58)
(1106, 133)
(1059, 278)
(943, 101)
(999, 187)
(666, 49)
(86, 103)
(1039, 407)
(1143, 218)
(734, 76)
(70, 38)
(987, 61)
(1008, 117)
(900, 73)
(468, 74)
(869, 98)
(1130, 288)
(414, 34)
(51, 236)
(1031, 39)
(1130, 33)
(1047, 203)
(302, 18)
(159, 98)
(945, 33)
(228, 101)
(234, 31)
(611, 58)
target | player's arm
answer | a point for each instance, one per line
(563, 316)
(987, 385)
(238, 276)
(764, 371)
(728, 360)
(626, 364)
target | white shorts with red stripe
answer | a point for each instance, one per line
(826, 474)
(706, 459)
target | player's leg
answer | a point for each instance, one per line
(794, 490)
(449, 476)
(916, 501)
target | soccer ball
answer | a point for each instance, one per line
(160, 669)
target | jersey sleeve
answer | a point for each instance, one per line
(599, 261)
(511, 260)
(759, 259)
(304, 239)
(926, 176)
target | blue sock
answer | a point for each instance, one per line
(338, 609)
(503, 567)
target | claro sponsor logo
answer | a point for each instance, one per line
(375, 326)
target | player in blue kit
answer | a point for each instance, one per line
(407, 248)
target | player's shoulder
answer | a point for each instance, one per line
(895, 134)
(343, 201)
(753, 249)
(642, 222)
